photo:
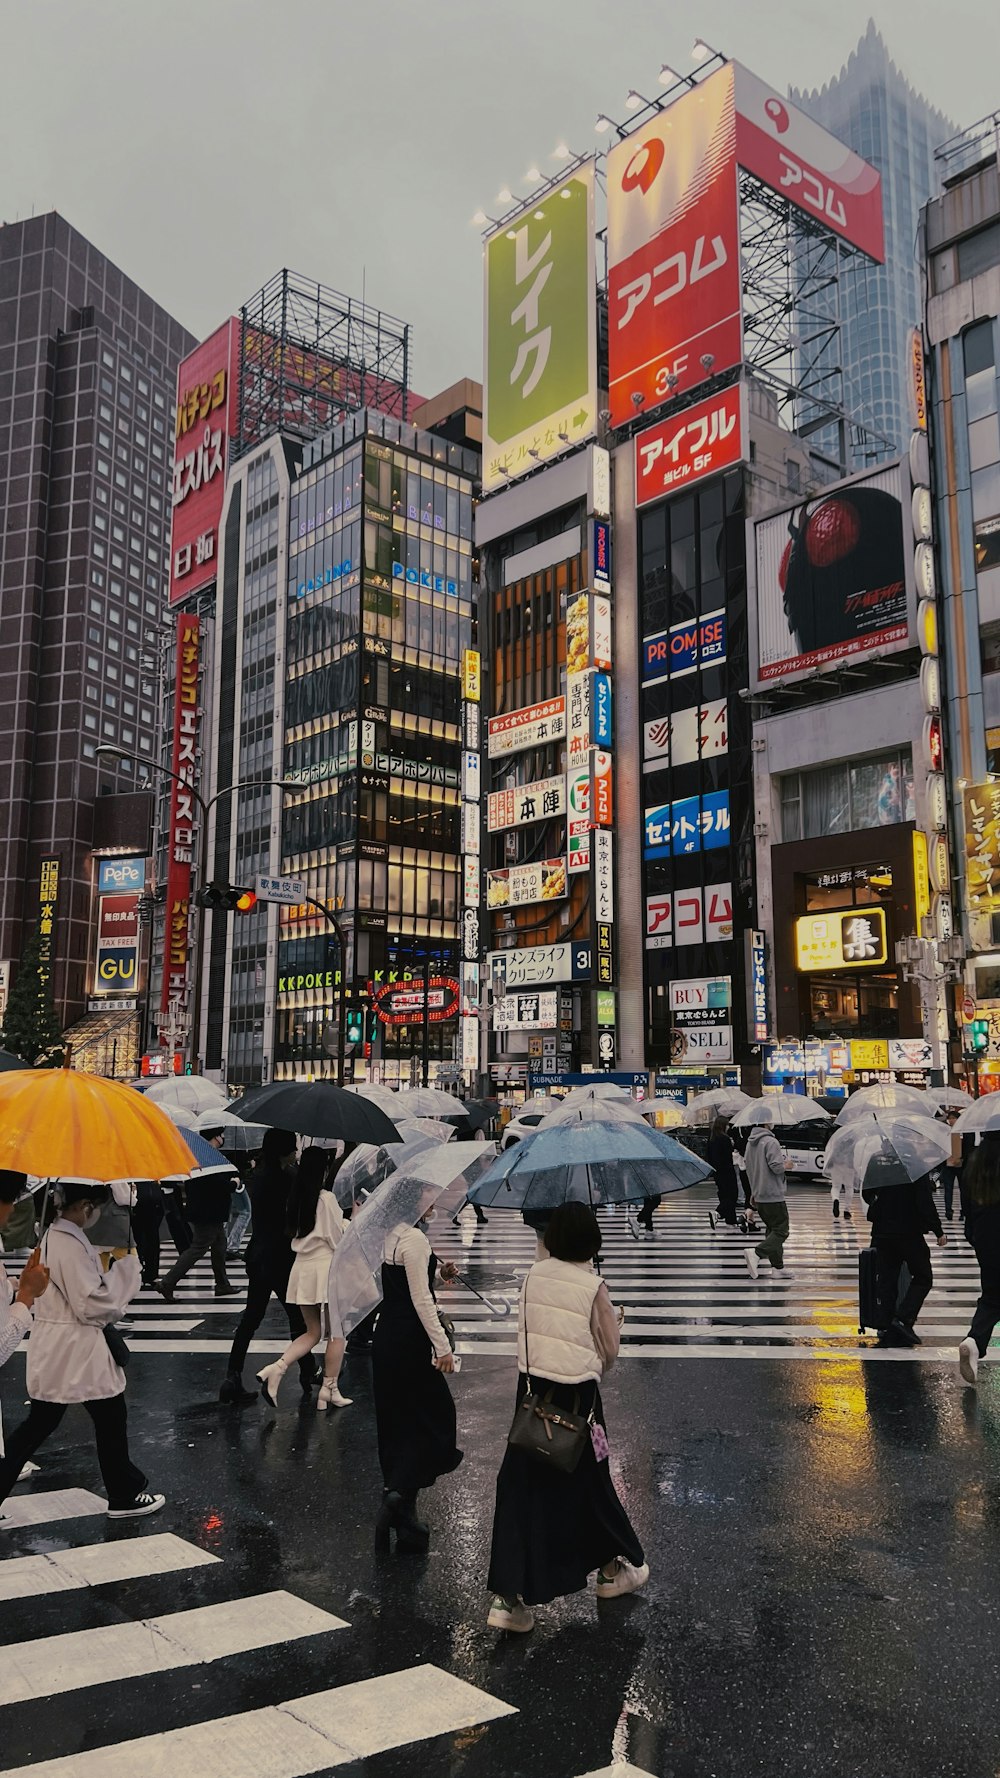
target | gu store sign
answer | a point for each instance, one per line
(183, 802)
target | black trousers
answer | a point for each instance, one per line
(729, 1191)
(988, 1307)
(895, 1251)
(122, 1479)
(177, 1223)
(261, 1287)
(146, 1219)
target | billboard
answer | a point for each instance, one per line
(206, 421)
(523, 884)
(520, 729)
(525, 802)
(692, 824)
(689, 917)
(982, 846)
(116, 876)
(846, 938)
(540, 357)
(834, 578)
(701, 732)
(588, 633)
(686, 646)
(674, 290)
(802, 162)
(182, 813)
(701, 441)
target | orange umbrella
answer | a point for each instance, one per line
(61, 1125)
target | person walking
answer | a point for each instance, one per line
(900, 1217)
(950, 1171)
(765, 1165)
(981, 1191)
(553, 1529)
(16, 1306)
(414, 1410)
(719, 1155)
(70, 1359)
(208, 1196)
(268, 1259)
(315, 1225)
(147, 1215)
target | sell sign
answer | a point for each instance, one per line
(701, 441)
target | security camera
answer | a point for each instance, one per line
(707, 360)
(637, 398)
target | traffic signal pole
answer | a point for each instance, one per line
(342, 993)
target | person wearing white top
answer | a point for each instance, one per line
(552, 1529)
(16, 1306)
(69, 1358)
(316, 1225)
(414, 1410)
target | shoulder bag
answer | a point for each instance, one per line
(118, 1346)
(555, 1436)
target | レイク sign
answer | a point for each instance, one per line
(183, 802)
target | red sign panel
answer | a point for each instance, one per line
(206, 421)
(394, 1005)
(674, 290)
(701, 441)
(118, 921)
(183, 802)
(800, 160)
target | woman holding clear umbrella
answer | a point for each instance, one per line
(981, 1190)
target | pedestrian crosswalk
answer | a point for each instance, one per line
(685, 1290)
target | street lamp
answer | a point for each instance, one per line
(929, 963)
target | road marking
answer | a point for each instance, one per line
(51, 1665)
(292, 1740)
(55, 1503)
(95, 1564)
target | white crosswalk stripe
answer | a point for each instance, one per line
(20, 1510)
(96, 1564)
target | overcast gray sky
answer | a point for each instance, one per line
(204, 144)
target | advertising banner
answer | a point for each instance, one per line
(116, 876)
(802, 162)
(674, 292)
(600, 555)
(472, 675)
(526, 883)
(578, 697)
(588, 633)
(601, 801)
(701, 1043)
(539, 801)
(689, 917)
(578, 818)
(693, 824)
(757, 984)
(843, 939)
(526, 1012)
(540, 381)
(48, 899)
(520, 729)
(538, 965)
(117, 969)
(118, 921)
(182, 813)
(833, 578)
(601, 726)
(674, 653)
(981, 803)
(206, 420)
(701, 1019)
(685, 448)
(702, 732)
(470, 882)
(604, 875)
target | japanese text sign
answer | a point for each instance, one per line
(672, 654)
(685, 448)
(757, 973)
(602, 727)
(540, 964)
(531, 727)
(472, 675)
(48, 896)
(982, 846)
(850, 938)
(526, 1012)
(693, 824)
(689, 917)
(526, 883)
(539, 801)
(700, 732)
(183, 803)
(604, 875)
(540, 382)
(588, 633)
(206, 421)
(600, 555)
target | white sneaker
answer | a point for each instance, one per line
(28, 1470)
(625, 1579)
(141, 1507)
(753, 1261)
(968, 1360)
(504, 1615)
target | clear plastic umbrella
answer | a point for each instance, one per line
(369, 1164)
(885, 1148)
(355, 1287)
(190, 1091)
(704, 1108)
(593, 1111)
(386, 1098)
(886, 1096)
(783, 1109)
(982, 1114)
(949, 1099)
(240, 1138)
(615, 1161)
(427, 1102)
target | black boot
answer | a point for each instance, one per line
(233, 1391)
(398, 1513)
(308, 1374)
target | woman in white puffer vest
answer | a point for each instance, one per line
(551, 1530)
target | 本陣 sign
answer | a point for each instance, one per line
(674, 290)
(206, 421)
(525, 802)
(540, 382)
(701, 441)
(701, 732)
(693, 824)
(531, 727)
(689, 917)
(673, 653)
(849, 938)
(982, 846)
(526, 883)
(183, 802)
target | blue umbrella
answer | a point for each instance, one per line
(206, 1158)
(595, 1162)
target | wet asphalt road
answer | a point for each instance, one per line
(824, 1596)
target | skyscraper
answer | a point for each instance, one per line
(872, 107)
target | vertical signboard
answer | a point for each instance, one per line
(48, 899)
(206, 420)
(540, 382)
(674, 292)
(182, 814)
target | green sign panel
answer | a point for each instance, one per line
(605, 1008)
(540, 351)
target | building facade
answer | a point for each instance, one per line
(88, 364)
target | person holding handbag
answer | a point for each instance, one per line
(315, 1226)
(558, 1516)
(17, 1306)
(74, 1350)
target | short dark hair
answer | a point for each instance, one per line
(277, 1144)
(11, 1185)
(573, 1233)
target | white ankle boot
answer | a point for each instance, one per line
(270, 1380)
(330, 1396)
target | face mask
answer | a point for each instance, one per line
(92, 1217)
(428, 1216)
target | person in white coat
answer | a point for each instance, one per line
(16, 1305)
(69, 1358)
(316, 1224)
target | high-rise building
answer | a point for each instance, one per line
(872, 107)
(88, 366)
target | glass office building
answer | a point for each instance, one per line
(873, 108)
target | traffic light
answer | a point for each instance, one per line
(355, 1025)
(980, 1033)
(226, 897)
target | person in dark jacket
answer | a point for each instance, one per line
(901, 1215)
(207, 1198)
(268, 1260)
(981, 1196)
(147, 1215)
(719, 1155)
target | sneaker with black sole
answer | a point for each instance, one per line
(968, 1360)
(141, 1507)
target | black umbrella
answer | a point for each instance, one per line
(481, 1113)
(9, 1062)
(316, 1108)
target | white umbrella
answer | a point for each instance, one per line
(783, 1108)
(982, 1114)
(240, 1138)
(949, 1099)
(190, 1091)
(885, 1148)
(886, 1096)
(385, 1098)
(717, 1102)
(588, 1108)
(427, 1102)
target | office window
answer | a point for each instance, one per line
(848, 797)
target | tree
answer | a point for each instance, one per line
(31, 1029)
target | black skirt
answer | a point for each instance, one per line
(550, 1531)
(414, 1410)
